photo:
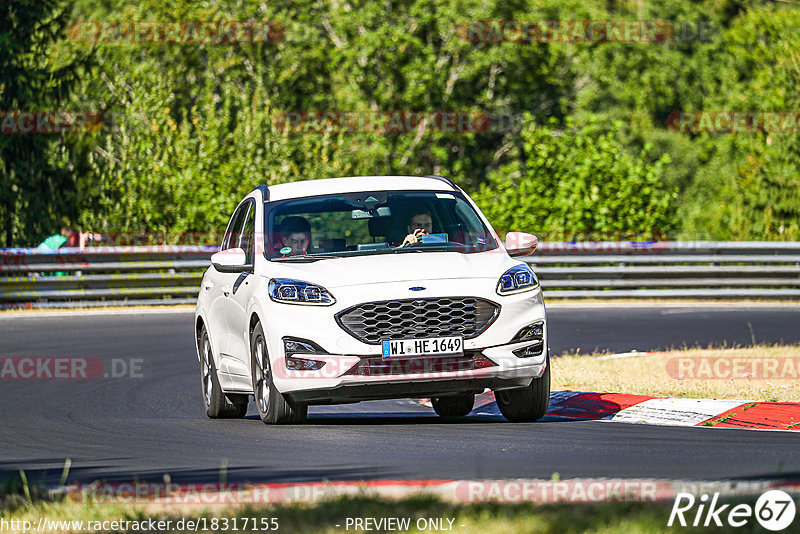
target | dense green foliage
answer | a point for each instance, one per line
(191, 127)
(37, 189)
(749, 187)
(578, 179)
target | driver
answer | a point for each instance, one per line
(420, 223)
(295, 234)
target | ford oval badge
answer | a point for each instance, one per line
(416, 288)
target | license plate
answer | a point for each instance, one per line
(432, 346)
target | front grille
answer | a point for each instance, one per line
(373, 322)
(377, 366)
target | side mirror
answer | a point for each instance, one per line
(520, 243)
(231, 260)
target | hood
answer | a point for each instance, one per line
(379, 268)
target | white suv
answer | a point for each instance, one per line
(351, 289)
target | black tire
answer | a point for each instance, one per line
(273, 407)
(218, 405)
(454, 405)
(522, 405)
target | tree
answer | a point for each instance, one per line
(750, 187)
(36, 189)
(576, 179)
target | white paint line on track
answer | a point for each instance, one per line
(675, 412)
(712, 309)
(621, 355)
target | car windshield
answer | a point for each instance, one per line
(356, 224)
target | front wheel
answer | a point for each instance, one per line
(273, 407)
(526, 404)
(218, 405)
(453, 405)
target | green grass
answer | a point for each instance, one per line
(649, 374)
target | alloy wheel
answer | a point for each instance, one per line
(262, 376)
(207, 380)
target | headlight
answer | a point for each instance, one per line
(298, 292)
(516, 280)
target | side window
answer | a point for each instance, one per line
(247, 242)
(234, 231)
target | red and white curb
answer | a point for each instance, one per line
(620, 407)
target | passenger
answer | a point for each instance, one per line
(420, 223)
(295, 234)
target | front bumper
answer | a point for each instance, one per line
(336, 382)
(358, 392)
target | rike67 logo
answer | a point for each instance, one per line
(774, 510)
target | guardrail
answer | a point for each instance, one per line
(101, 276)
(104, 276)
(669, 269)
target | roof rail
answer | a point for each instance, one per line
(443, 179)
(264, 191)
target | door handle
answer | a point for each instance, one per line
(226, 290)
(208, 285)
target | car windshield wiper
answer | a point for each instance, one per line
(304, 258)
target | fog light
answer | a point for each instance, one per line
(293, 347)
(532, 331)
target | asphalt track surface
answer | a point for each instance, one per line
(124, 429)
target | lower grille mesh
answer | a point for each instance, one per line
(377, 366)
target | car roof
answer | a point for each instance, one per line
(355, 184)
